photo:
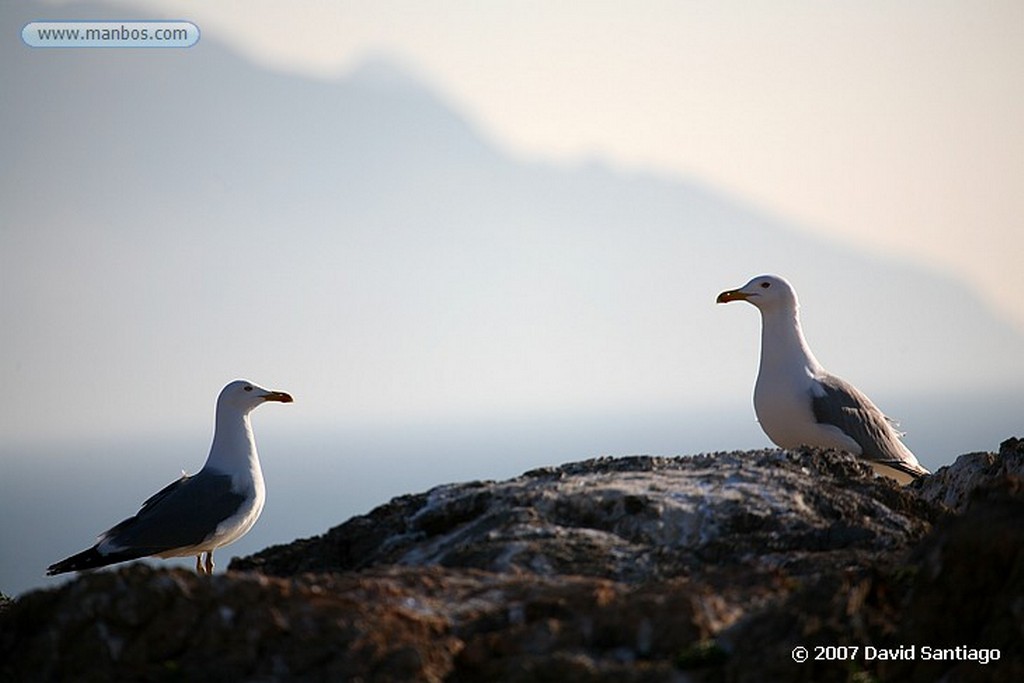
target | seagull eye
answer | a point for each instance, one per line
(765, 285)
(248, 388)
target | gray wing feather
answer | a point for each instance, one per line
(183, 513)
(844, 406)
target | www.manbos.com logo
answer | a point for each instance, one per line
(110, 34)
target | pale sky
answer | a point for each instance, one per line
(895, 126)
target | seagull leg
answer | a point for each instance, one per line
(209, 561)
(199, 563)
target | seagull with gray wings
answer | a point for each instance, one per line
(799, 403)
(196, 514)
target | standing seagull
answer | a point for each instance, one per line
(195, 514)
(798, 403)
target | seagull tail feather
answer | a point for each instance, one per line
(92, 559)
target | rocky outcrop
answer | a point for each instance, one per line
(630, 519)
(952, 488)
(710, 568)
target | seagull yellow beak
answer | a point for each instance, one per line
(278, 396)
(732, 295)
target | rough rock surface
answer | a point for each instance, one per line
(952, 487)
(629, 519)
(711, 568)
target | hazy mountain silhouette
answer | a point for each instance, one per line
(147, 191)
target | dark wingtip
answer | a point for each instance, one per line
(87, 559)
(61, 567)
(902, 466)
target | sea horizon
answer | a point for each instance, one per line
(56, 494)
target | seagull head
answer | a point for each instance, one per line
(767, 292)
(243, 395)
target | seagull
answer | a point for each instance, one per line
(196, 514)
(799, 403)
